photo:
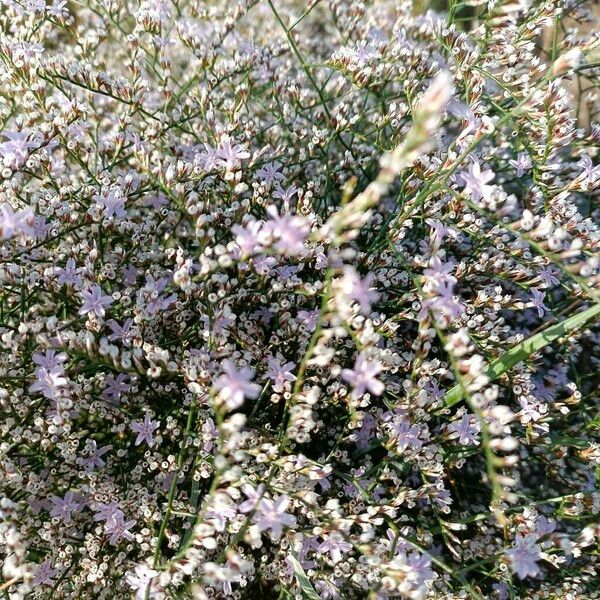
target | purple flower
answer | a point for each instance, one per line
(523, 556)
(522, 164)
(115, 386)
(309, 318)
(234, 385)
(220, 511)
(44, 573)
(538, 302)
(112, 202)
(272, 516)
(145, 429)
(69, 275)
(50, 359)
(336, 545)
(231, 155)
(95, 301)
(123, 333)
(279, 373)
(106, 511)
(355, 289)
(95, 456)
(13, 223)
(49, 382)
(253, 495)
(289, 231)
(248, 238)
(475, 182)
(363, 377)
(270, 172)
(63, 507)
(117, 528)
(15, 152)
(465, 430)
(141, 581)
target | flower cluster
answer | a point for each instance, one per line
(299, 299)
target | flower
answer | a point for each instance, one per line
(69, 275)
(538, 302)
(335, 545)
(279, 373)
(363, 377)
(45, 573)
(64, 507)
(522, 164)
(141, 581)
(354, 289)
(272, 516)
(475, 182)
(234, 385)
(524, 556)
(465, 430)
(13, 223)
(49, 382)
(94, 301)
(145, 429)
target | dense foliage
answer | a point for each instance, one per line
(299, 299)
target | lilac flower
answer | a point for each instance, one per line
(45, 573)
(279, 373)
(270, 172)
(285, 194)
(522, 164)
(466, 430)
(58, 9)
(49, 382)
(234, 385)
(363, 377)
(230, 155)
(63, 507)
(355, 289)
(115, 387)
(548, 277)
(475, 182)
(15, 152)
(117, 528)
(272, 516)
(122, 333)
(13, 223)
(220, 511)
(50, 359)
(309, 318)
(249, 238)
(106, 511)
(253, 496)
(538, 302)
(95, 456)
(290, 232)
(524, 556)
(439, 272)
(145, 429)
(94, 301)
(69, 275)
(112, 202)
(404, 434)
(141, 581)
(590, 174)
(336, 545)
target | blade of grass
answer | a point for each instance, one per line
(528, 347)
(308, 591)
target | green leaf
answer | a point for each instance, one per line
(526, 348)
(308, 591)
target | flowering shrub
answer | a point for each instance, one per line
(299, 299)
